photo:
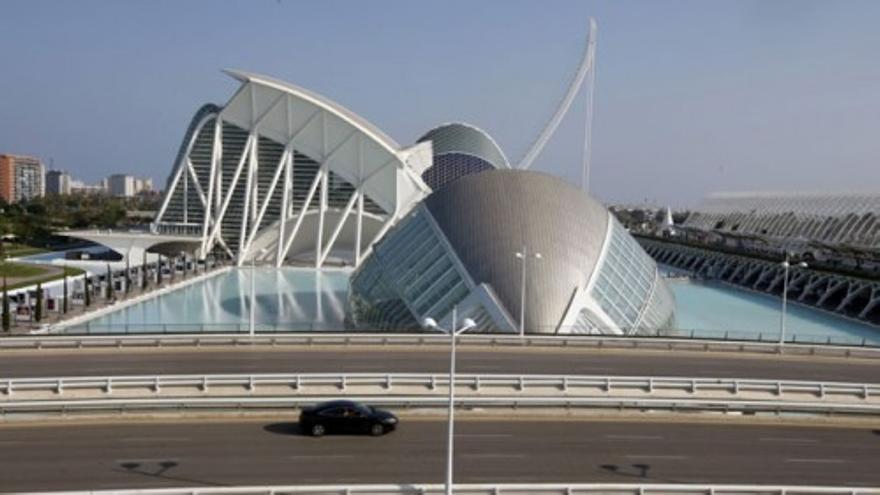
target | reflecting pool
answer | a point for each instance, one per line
(288, 299)
(300, 299)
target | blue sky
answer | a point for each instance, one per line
(691, 97)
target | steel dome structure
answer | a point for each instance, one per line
(458, 249)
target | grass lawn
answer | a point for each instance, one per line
(30, 270)
(21, 270)
(16, 250)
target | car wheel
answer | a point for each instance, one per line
(318, 430)
(377, 430)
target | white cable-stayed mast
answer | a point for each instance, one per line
(587, 66)
(588, 125)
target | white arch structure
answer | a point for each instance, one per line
(282, 174)
(586, 68)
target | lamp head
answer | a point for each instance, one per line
(538, 255)
(467, 324)
(803, 264)
(429, 323)
(785, 264)
(519, 255)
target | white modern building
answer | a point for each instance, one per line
(285, 175)
(851, 219)
(465, 245)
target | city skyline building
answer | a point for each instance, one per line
(58, 182)
(21, 178)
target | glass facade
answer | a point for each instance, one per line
(410, 276)
(625, 281)
(451, 166)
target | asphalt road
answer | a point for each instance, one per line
(259, 452)
(373, 359)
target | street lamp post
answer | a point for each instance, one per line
(454, 332)
(785, 265)
(253, 318)
(524, 256)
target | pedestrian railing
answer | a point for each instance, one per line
(426, 339)
(496, 489)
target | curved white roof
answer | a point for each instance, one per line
(320, 100)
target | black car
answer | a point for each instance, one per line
(345, 416)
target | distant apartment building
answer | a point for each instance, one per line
(122, 185)
(21, 177)
(58, 182)
(80, 187)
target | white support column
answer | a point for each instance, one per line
(359, 230)
(249, 189)
(219, 220)
(285, 207)
(359, 225)
(216, 150)
(282, 165)
(339, 225)
(195, 179)
(322, 205)
(322, 211)
(255, 195)
(302, 213)
(170, 192)
(185, 192)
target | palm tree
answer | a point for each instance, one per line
(38, 313)
(109, 283)
(64, 300)
(127, 275)
(7, 323)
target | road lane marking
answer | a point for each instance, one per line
(483, 435)
(649, 456)
(818, 461)
(788, 440)
(321, 456)
(154, 439)
(495, 456)
(634, 437)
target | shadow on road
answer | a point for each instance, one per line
(285, 428)
(159, 470)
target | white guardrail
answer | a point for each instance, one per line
(184, 392)
(385, 382)
(306, 339)
(500, 489)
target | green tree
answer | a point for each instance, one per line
(38, 313)
(7, 318)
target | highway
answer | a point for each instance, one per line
(23, 364)
(242, 452)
